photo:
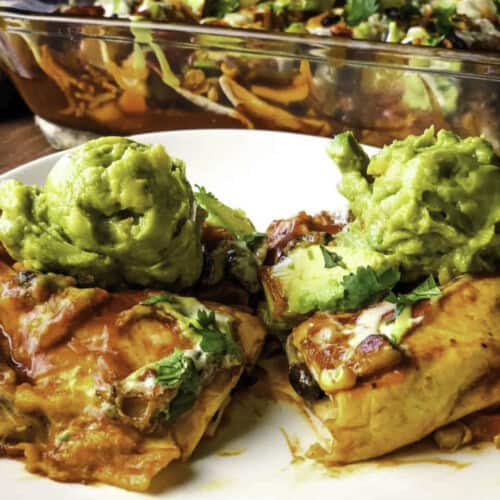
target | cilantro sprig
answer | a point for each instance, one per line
(183, 402)
(365, 285)
(219, 8)
(213, 340)
(177, 371)
(172, 370)
(360, 10)
(443, 20)
(426, 290)
(231, 219)
(331, 258)
(181, 372)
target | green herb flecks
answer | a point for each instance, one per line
(425, 290)
(331, 258)
(253, 240)
(183, 402)
(444, 25)
(158, 298)
(178, 371)
(365, 286)
(232, 220)
(219, 8)
(213, 340)
(174, 369)
(360, 10)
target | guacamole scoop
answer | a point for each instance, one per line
(429, 204)
(113, 212)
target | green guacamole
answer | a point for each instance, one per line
(113, 212)
(424, 205)
(430, 205)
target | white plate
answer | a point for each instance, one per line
(269, 175)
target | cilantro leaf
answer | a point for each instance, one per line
(365, 285)
(426, 290)
(360, 10)
(219, 8)
(187, 395)
(434, 41)
(331, 258)
(231, 219)
(178, 371)
(172, 370)
(206, 319)
(444, 25)
(158, 298)
(183, 402)
(213, 340)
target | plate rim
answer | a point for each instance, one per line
(23, 167)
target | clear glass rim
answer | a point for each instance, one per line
(490, 60)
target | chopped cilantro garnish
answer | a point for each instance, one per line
(213, 340)
(219, 8)
(365, 286)
(425, 290)
(158, 298)
(434, 41)
(360, 10)
(331, 258)
(444, 25)
(183, 402)
(178, 371)
(171, 371)
(206, 319)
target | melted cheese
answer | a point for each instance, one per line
(369, 322)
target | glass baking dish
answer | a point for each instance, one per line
(122, 77)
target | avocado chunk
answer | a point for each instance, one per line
(427, 205)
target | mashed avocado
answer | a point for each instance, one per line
(311, 285)
(113, 212)
(430, 205)
(423, 206)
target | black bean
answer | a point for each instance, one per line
(303, 382)
(330, 19)
(456, 41)
(431, 26)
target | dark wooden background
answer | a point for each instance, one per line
(20, 140)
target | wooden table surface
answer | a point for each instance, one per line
(20, 141)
